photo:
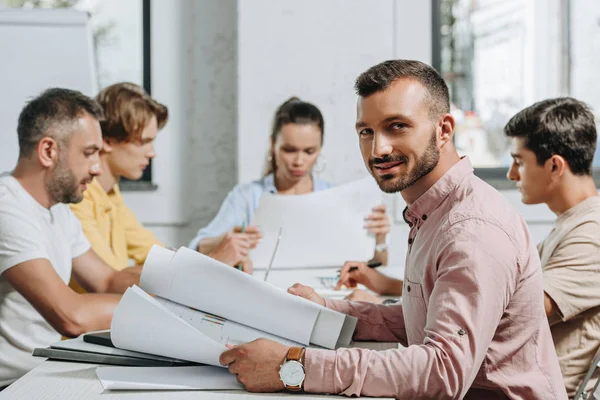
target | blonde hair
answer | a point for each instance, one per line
(127, 111)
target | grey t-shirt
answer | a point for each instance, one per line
(570, 258)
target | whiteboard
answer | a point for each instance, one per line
(40, 49)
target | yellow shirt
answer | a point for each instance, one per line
(112, 228)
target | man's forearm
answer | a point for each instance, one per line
(90, 312)
(376, 322)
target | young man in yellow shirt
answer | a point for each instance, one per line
(131, 122)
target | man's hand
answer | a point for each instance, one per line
(306, 292)
(353, 273)
(256, 364)
(124, 279)
(378, 222)
(361, 295)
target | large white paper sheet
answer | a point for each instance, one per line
(219, 329)
(141, 323)
(205, 284)
(166, 378)
(320, 229)
(157, 273)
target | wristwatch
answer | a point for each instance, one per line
(291, 371)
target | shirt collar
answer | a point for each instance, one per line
(100, 196)
(586, 205)
(433, 197)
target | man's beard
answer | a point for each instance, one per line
(63, 187)
(396, 183)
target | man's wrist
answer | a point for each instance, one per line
(381, 247)
(293, 364)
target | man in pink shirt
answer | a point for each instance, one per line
(472, 312)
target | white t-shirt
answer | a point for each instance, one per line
(29, 231)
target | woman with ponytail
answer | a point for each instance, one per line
(296, 143)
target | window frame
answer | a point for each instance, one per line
(145, 182)
(497, 176)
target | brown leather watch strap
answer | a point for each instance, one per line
(295, 354)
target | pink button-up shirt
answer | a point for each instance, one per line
(472, 312)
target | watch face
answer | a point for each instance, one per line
(292, 373)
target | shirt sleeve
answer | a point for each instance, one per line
(20, 239)
(572, 273)
(476, 275)
(376, 322)
(139, 239)
(231, 214)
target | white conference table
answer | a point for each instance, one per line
(77, 381)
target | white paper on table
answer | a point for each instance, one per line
(200, 282)
(219, 329)
(141, 323)
(319, 229)
(166, 378)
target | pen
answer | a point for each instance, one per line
(370, 264)
(240, 266)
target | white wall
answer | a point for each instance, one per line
(223, 68)
(194, 73)
(315, 50)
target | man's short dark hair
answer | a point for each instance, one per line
(562, 126)
(379, 77)
(54, 110)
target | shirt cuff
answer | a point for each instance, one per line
(80, 249)
(319, 366)
(564, 308)
(8, 263)
(342, 306)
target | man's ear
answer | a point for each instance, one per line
(557, 166)
(107, 145)
(446, 127)
(47, 151)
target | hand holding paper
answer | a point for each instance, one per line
(256, 364)
(307, 293)
(321, 229)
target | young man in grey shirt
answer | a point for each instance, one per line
(553, 144)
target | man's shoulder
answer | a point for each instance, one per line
(479, 212)
(475, 199)
(582, 225)
(11, 201)
(8, 191)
